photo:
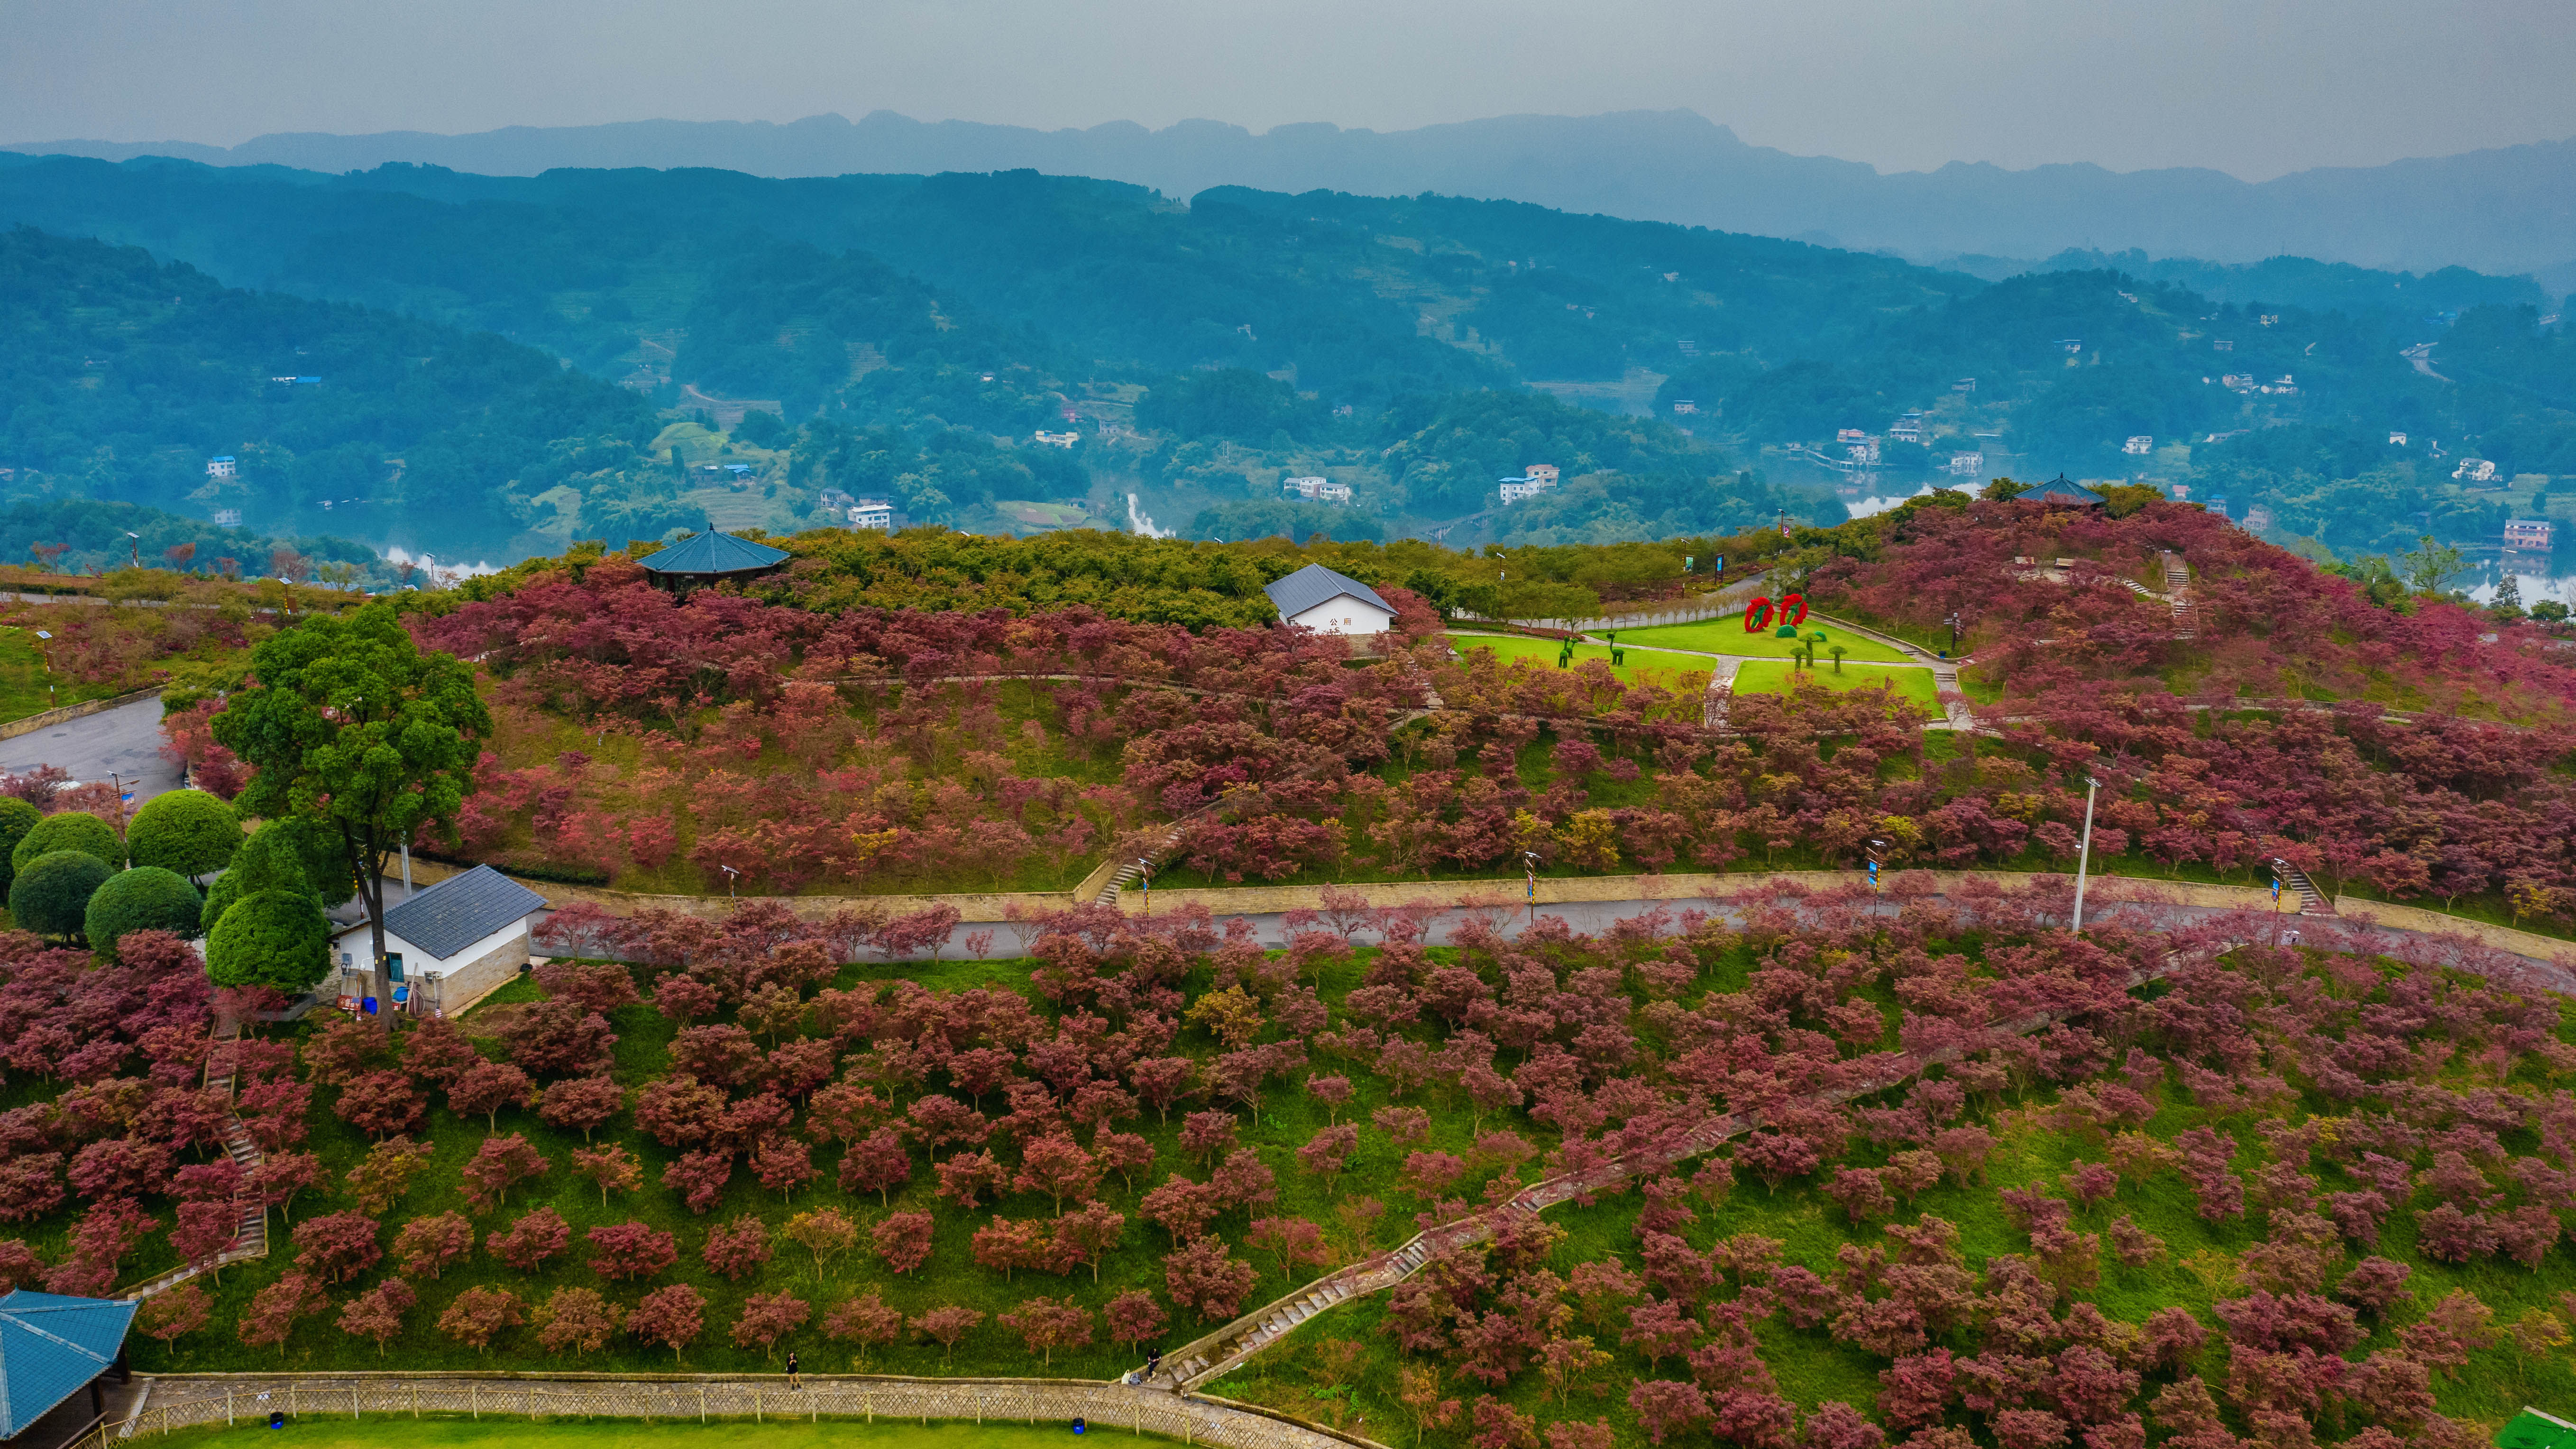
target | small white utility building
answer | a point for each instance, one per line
(1317, 598)
(447, 945)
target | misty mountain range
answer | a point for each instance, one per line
(2507, 210)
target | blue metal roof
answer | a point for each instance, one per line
(51, 1347)
(2063, 489)
(714, 553)
(1314, 584)
(461, 910)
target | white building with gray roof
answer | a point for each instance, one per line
(1317, 598)
(447, 945)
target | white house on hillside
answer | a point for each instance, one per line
(447, 945)
(1317, 598)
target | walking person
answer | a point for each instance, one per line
(793, 1370)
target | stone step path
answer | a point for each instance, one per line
(1955, 709)
(1721, 692)
(2178, 594)
(2312, 902)
(250, 1238)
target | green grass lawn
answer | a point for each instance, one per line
(1727, 636)
(23, 678)
(1644, 665)
(1763, 676)
(322, 1431)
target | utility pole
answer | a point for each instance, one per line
(2084, 852)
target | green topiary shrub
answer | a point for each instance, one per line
(282, 855)
(51, 894)
(17, 817)
(186, 831)
(146, 898)
(227, 888)
(70, 830)
(270, 938)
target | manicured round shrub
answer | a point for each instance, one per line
(146, 898)
(187, 831)
(270, 938)
(17, 817)
(51, 894)
(282, 855)
(71, 830)
(227, 888)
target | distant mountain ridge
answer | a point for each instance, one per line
(2507, 210)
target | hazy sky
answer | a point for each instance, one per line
(2244, 86)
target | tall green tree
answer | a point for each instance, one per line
(353, 726)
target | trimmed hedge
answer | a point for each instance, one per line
(274, 938)
(51, 894)
(146, 898)
(70, 830)
(188, 832)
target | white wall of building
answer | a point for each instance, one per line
(1343, 614)
(448, 983)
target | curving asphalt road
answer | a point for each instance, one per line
(2553, 972)
(124, 742)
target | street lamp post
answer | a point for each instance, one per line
(1529, 868)
(2084, 852)
(134, 547)
(730, 873)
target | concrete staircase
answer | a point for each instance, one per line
(2178, 594)
(2312, 902)
(250, 1238)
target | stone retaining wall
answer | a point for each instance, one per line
(47, 719)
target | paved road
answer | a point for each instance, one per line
(1011, 938)
(125, 742)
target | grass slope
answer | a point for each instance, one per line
(1644, 666)
(1765, 676)
(1727, 636)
